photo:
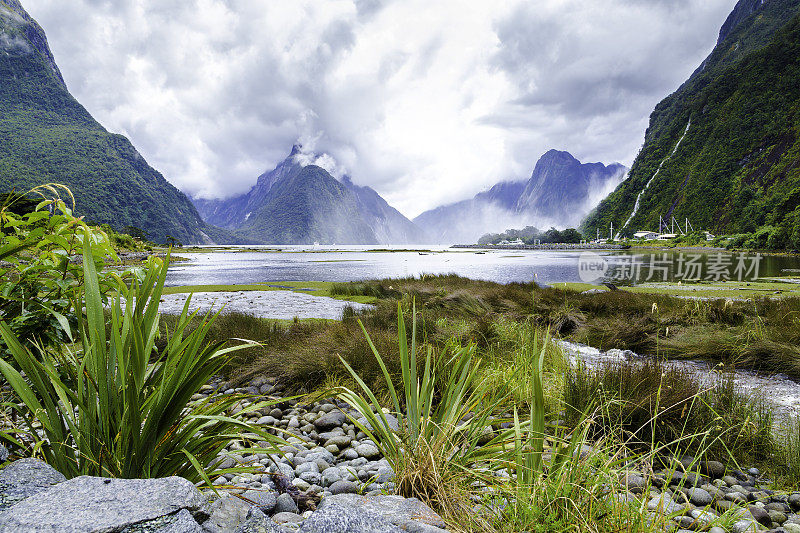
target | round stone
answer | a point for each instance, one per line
(341, 441)
(331, 476)
(285, 504)
(367, 450)
(699, 497)
(264, 500)
(312, 478)
(307, 467)
(301, 484)
(287, 518)
(343, 487)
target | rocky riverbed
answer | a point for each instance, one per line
(330, 477)
(264, 304)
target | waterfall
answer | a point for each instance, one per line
(639, 196)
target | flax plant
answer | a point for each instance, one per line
(116, 406)
(442, 415)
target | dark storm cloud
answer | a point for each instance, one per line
(428, 102)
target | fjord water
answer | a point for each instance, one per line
(350, 263)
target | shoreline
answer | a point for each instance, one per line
(541, 247)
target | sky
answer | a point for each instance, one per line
(426, 102)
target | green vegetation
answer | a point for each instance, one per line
(736, 170)
(37, 276)
(530, 235)
(441, 453)
(107, 409)
(47, 136)
(650, 402)
(502, 324)
(88, 391)
(495, 430)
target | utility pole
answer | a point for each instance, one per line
(612, 231)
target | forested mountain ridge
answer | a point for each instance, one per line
(47, 136)
(723, 150)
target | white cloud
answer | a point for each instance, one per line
(427, 102)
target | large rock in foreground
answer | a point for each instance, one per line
(93, 504)
(351, 513)
(24, 478)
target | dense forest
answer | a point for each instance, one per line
(737, 170)
(47, 136)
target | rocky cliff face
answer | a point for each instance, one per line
(296, 204)
(560, 186)
(560, 191)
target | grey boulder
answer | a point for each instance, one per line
(351, 513)
(331, 420)
(258, 522)
(391, 421)
(183, 522)
(89, 504)
(227, 514)
(24, 478)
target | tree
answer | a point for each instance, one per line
(136, 233)
(553, 235)
(571, 236)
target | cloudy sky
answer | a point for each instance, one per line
(427, 102)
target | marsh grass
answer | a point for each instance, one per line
(523, 479)
(649, 404)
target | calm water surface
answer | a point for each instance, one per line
(348, 263)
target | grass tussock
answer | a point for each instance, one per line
(650, 404)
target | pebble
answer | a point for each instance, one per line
(285, 504)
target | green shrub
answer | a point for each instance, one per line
(37, 277)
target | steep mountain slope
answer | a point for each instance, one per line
(389, 225)
(560, 191)
(258, 216)
(561, 186)
(47, 136)
(233, 212)
(305, 207)
(723, 150)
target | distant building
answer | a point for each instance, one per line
(646, 235)
(667, 236)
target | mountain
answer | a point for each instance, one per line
(297, 204)
(47, 136)
(561, 186)
(724, 149)
(560, 191)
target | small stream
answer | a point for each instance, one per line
(777, 389)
